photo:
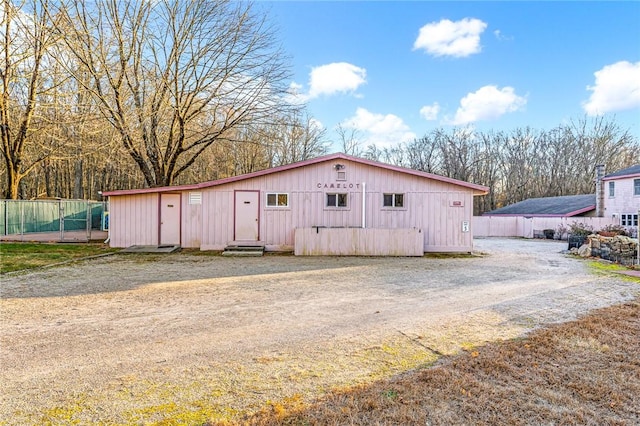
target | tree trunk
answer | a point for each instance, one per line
(46, 169)
(78, 190)
(13, 185)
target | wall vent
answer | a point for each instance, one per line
(195, 198)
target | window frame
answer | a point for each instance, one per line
(394, 199)
(337, 206)
(612, 189)
(636, 187)
(630, 219)
(277, 205)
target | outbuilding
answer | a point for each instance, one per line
(562, 206)
(330, 205)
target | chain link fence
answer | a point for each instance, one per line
(20, 217)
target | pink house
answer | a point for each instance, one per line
(330, 205)
(620, 194)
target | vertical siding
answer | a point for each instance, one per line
(191, 223)
(217, 217)
(428, 206)
(133, 220)
(358, 242)
(495, 226)
(519, 226)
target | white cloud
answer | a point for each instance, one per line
(430, 112)
(379, 129)
(501, 36)
(617, 88)
(316, 124)
(447, 38)
(487, 103)
(295, 95)
(338, 77)
(295, 88)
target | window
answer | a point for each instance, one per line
(342, 176)
(393, 200)
(612, 189)
(275, 199)
(629, 219)
(336, 200)
(636, 187)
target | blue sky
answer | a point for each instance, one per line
(394, 71)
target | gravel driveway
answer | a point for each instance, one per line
(144, 338)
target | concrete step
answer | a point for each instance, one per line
(243, 250)
(245, 253)
(151, 249)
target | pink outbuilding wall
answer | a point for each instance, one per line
(136, 219)
(440, 207)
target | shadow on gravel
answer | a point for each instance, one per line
(125, 272)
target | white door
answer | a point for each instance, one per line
(169, 219)
(246, 216)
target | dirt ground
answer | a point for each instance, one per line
(189, 338)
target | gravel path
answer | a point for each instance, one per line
(121, 339)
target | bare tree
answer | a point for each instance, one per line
(350, 140)
(523, 163)
(173, 77)
(423, 155)
(28, 79)
(599, 140)
(458, 152)
(486, 171)
(295, 137)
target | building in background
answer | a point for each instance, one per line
(563, 206)
(620, 192)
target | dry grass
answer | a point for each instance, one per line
(586, 372)
(22, 256)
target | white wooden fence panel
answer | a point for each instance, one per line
(519, 226)
(318, 241)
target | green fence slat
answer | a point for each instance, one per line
(26, 216)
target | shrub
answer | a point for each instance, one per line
(580, 229)
(613, 230)
(561, 230)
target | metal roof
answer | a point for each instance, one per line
(567, 205)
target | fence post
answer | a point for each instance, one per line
(89, 217)
(21, 221)
(61, 221)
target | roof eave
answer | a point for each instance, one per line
(580, 211)
(633, 175)
(176, 188)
